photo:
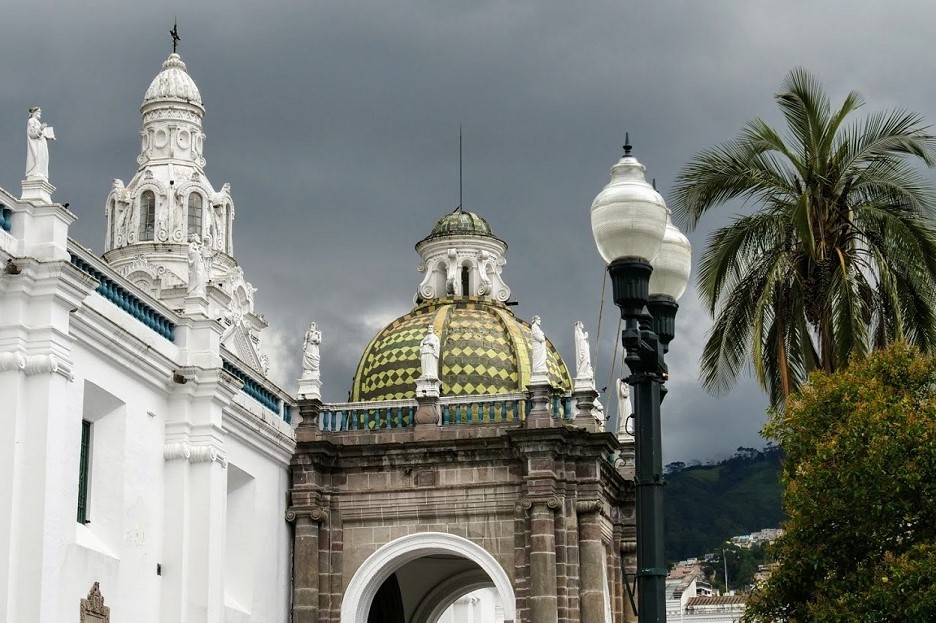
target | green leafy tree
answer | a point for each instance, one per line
(840, 256)
(859, 483)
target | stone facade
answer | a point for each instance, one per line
(544, 502)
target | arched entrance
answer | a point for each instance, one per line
(458, 564)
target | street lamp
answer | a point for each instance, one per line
(649, 262)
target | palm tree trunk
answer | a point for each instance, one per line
(782, 362)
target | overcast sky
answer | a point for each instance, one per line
(336, 124)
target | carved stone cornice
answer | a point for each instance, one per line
(315, 513)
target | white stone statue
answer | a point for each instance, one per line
(310, 352)
(624, 408)
(198, 261)
(37, 148)
(583, 367)
(429, 354)
(538, 350)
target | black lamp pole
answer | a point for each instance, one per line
(646, 338)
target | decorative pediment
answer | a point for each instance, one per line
(239, 341)
(93, 609)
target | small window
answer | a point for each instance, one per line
(464, 280)
(195, 215)
(147, 215)
(84, 471)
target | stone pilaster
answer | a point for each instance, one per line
(543, 586)
(591, 562)
(307, 579)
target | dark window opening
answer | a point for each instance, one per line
(84, 469)
(464, 280)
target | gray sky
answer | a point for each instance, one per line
(336, 124)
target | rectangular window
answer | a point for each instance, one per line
(84, 468)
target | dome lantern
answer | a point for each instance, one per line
(462, 257)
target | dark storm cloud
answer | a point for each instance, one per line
(337, 125)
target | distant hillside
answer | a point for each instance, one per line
(704, 505)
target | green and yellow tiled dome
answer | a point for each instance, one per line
(484, 350)
(461, 222)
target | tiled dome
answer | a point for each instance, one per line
(461, 222)
(484, 350)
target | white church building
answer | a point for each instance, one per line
(150, 469)
(144, 461)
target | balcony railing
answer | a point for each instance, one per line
(456, 411)
(254, 388)
(127, 301)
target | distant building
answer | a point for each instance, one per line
(689, 600)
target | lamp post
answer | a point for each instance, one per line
(649, 262)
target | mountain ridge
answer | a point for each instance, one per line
(705, 505)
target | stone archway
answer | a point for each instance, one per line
(381, 564)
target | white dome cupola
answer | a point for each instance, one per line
(172, 113)
(462, 257)
(170, 200)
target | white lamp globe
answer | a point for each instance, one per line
(672, 264)
(628, 216)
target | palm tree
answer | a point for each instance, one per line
(839, 257)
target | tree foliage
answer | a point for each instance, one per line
(840, 256)
(859, 484)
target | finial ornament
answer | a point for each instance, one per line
(627, 145)
(174, 33)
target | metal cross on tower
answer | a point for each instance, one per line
(174, 33)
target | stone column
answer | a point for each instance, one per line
(306, 554)
(543, 585)
(591, 562)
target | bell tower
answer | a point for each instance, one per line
(169, 207)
